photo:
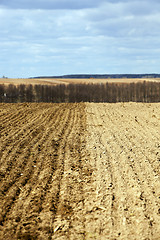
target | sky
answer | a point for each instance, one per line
(57, 37)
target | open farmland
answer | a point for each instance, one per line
(66, 81)
(80, 171)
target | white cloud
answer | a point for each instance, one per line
(103, 37)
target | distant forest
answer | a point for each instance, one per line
(101, 76)
(108, 92)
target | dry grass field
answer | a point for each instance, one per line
(54, 81)
(80, 171)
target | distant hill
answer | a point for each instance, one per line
(152, 75)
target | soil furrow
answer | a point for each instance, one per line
(135, 185)
(20, 139)
(80, 171)
(29, 164)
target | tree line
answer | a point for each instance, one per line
(107, 92)
(101, 76)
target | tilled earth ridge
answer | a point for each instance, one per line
(80, 171)
(43, 169)
(124, 142)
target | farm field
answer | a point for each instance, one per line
(66, 81)
(80, 171)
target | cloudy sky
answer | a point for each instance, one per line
(56, 37)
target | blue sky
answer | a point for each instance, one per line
(56, 37)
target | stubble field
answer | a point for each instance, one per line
(80, 171)
(66, 81)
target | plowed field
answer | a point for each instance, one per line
(80, 171)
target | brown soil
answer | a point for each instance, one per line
(124, 142)
(48, 81)
(80, 171)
